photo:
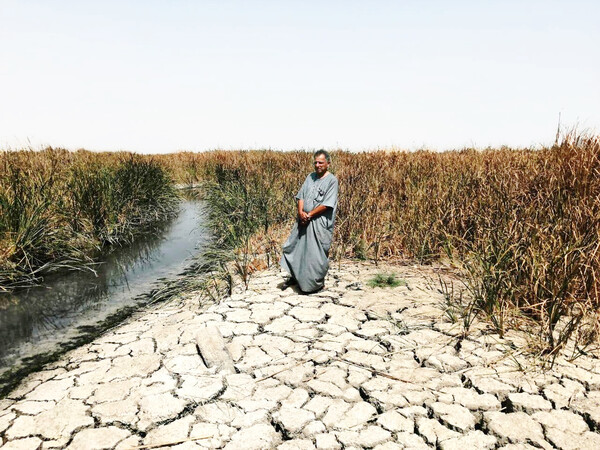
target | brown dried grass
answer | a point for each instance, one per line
(523, 225)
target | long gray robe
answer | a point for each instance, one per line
(306, 251)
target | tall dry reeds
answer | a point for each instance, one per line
(248, 193)
(58, 208)
(523, 224)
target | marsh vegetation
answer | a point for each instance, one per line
(59, 210)
(521, 225)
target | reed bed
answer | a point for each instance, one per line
(60, 209)
(523, 225)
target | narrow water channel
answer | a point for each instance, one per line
(41, 320)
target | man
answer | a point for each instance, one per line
(306, 251)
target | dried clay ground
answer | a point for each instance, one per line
(349, 367)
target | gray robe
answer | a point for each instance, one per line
(306, 250)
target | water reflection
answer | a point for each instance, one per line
(41, 319)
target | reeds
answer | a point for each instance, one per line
(59, 209)
(523, 224)
(247, 193)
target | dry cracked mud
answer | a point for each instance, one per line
(348, 367)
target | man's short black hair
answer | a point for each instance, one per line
(324, 153)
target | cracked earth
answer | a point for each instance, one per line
(348, 367)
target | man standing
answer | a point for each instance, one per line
(305, 253)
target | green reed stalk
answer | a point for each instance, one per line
(59, 209)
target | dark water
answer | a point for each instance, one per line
(43, 319)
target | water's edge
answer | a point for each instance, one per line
(12, 377)
(161, 288)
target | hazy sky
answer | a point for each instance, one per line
(160, 76)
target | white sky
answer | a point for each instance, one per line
(161, 76)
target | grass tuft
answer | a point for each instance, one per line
(384, 280)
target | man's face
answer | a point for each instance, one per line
(321, 164)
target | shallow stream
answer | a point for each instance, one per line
(45, 319)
